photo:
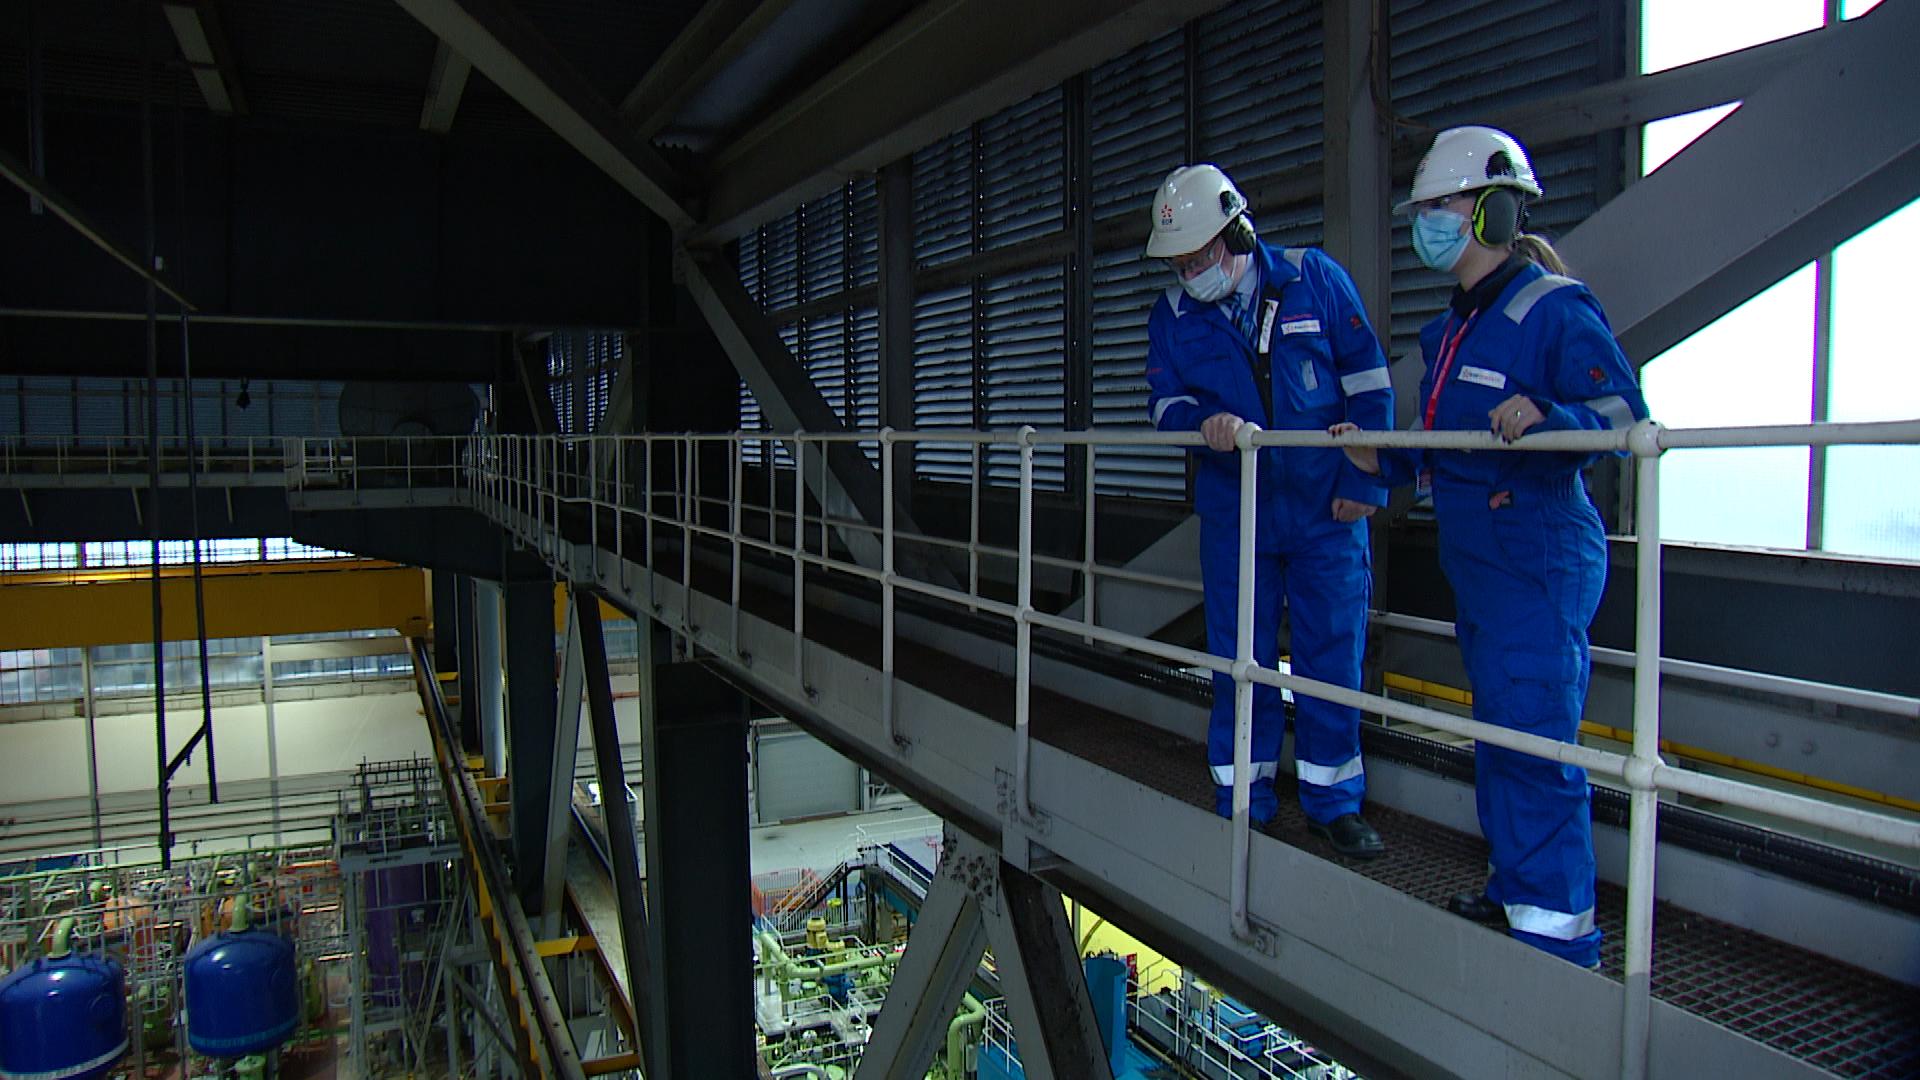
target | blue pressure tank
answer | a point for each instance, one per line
(63, 1018)
(243, 993)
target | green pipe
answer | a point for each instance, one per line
(777, 964)
(62, 932)
(972, 1014)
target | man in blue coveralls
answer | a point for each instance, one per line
(1275, 336)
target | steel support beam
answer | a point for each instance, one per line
(531, 733)
(716, 35)
(938, 69)
(202, 37)
(616, 815)
(566, 749)
(19, 175)
(1828, 146)
(978, 899)
(943, 954)
(498, 39)
(791, 402)
(1632, 100)
(693, 738)
(446, 82)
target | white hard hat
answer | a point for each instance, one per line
(1192, 206)
(1467, 159)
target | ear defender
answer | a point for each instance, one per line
(1496, 216)
(1238, 232)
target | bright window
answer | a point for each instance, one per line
(1755, 365)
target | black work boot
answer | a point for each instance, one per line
(1477, 905)
(1351, 836)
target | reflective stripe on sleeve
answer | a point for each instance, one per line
(1262, 770)
(1553, 924)
(1362, 381)
(1328, 775)
(1614, 409)
(1161, 407)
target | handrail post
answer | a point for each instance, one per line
(620, 508)
(1023, 638)
(799, 562)
(1086, 550)
(1243, 665)
(1642, 818)
(887, 597)
(973, 523)
(593, 499)
(736, 450)
(688, 511)
(646, 507)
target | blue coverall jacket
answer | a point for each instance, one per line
(1317, 356)
(1526, 554)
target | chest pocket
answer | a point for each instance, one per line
(1212, 365)
(1301, 354)
(1474, 387)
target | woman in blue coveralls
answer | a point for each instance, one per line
(1520, 348)
(1276, 336)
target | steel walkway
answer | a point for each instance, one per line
(1359, 957)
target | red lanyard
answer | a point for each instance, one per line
(1449, 348)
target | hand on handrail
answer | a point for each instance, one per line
(1364, 458)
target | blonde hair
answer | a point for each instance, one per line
(1535, 248)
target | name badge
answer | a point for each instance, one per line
(1268, 310)
(1480, 376)
(1300, 326)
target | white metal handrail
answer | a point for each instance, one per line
(534, 476)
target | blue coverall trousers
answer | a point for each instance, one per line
(1527, 579)
(1323, 580)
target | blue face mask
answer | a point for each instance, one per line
(1439, 238)
(1211, 284)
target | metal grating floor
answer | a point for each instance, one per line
(1845, 1020)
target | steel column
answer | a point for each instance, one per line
(446, 622)
(487, 683)
(467, 645)
(530, 716)
(693, 738)
(616, 815)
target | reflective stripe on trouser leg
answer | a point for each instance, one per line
(1219, 566)
(1327, 584)
(1262, 770)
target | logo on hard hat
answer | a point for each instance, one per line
(1166, 214)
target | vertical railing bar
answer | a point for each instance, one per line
(799, 562)
(1088, 584)
(973, 523)
(689, 506)
(646, 503)
(887, 596)
(736, 450)
(1243, 688)
(1023, 638)
(1642, 815)
(620, 446)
